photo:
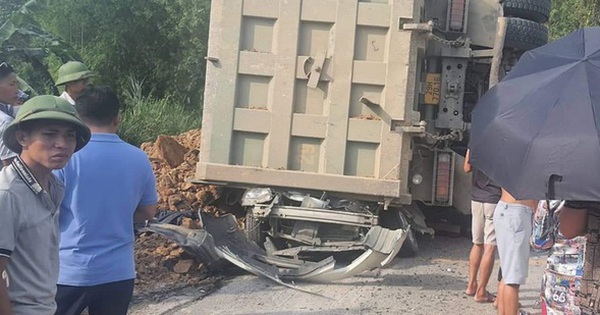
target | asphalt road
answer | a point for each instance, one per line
(431, 283)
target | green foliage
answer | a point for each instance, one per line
(163, 41)
(145, 117)
(569, 15)
(26, 44)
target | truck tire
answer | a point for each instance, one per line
(535, 10)
(410, 248)
(523, 34)
(253, 229)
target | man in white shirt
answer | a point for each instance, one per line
(9, 91)
(75, 76)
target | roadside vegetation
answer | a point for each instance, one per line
(145, 116)
(150, 51)
(569, 15)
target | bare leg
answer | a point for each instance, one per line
(474, 262)
(511, 299)
(497, 295)
(500, 297)
(485, 271)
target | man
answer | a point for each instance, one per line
(513, 223)
(109, 186)
(9, 95)
(485, 196)
(75, 76)
(45, 133)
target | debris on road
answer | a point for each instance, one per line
(155, 258)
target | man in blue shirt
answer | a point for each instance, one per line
(108, 186)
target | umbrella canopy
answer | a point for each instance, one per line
(537, 131)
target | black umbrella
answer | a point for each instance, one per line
(536, 133)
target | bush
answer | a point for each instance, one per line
(143, 117)
(145, 120)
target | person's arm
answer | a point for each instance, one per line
(467, 166)
(149, 200)
(572, 222)
(143, 213)
(9, 227)
(5, 307)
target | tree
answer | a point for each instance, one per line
(161, 42)
(26, 44)
(569, 15)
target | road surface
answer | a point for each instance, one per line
(431, 283)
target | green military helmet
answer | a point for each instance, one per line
(46, 107)
(73, 71)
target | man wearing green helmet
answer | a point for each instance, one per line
(75, 76)
(45, 133)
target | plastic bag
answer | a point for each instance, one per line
(544, 226)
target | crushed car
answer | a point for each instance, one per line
(221, 239)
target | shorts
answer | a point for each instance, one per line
(513, 223)
(482, 226)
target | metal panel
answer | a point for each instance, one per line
(450, 111)
(305, 94)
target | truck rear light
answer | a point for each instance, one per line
(443, 174)
(456, 15)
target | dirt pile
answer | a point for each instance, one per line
(161, 264)
(174, 163)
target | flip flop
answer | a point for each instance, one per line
(490, 299)
(467, 294)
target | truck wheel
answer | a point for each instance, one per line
(410, 248)
(253, 229)
(535, 10)
(524, 34)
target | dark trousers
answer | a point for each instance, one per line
(104, 299)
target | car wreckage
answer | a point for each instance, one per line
(222, 239)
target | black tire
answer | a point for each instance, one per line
(524, 34)
(410, 248)
(535, 10)
(253, 229)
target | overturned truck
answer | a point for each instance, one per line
(329, 119)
